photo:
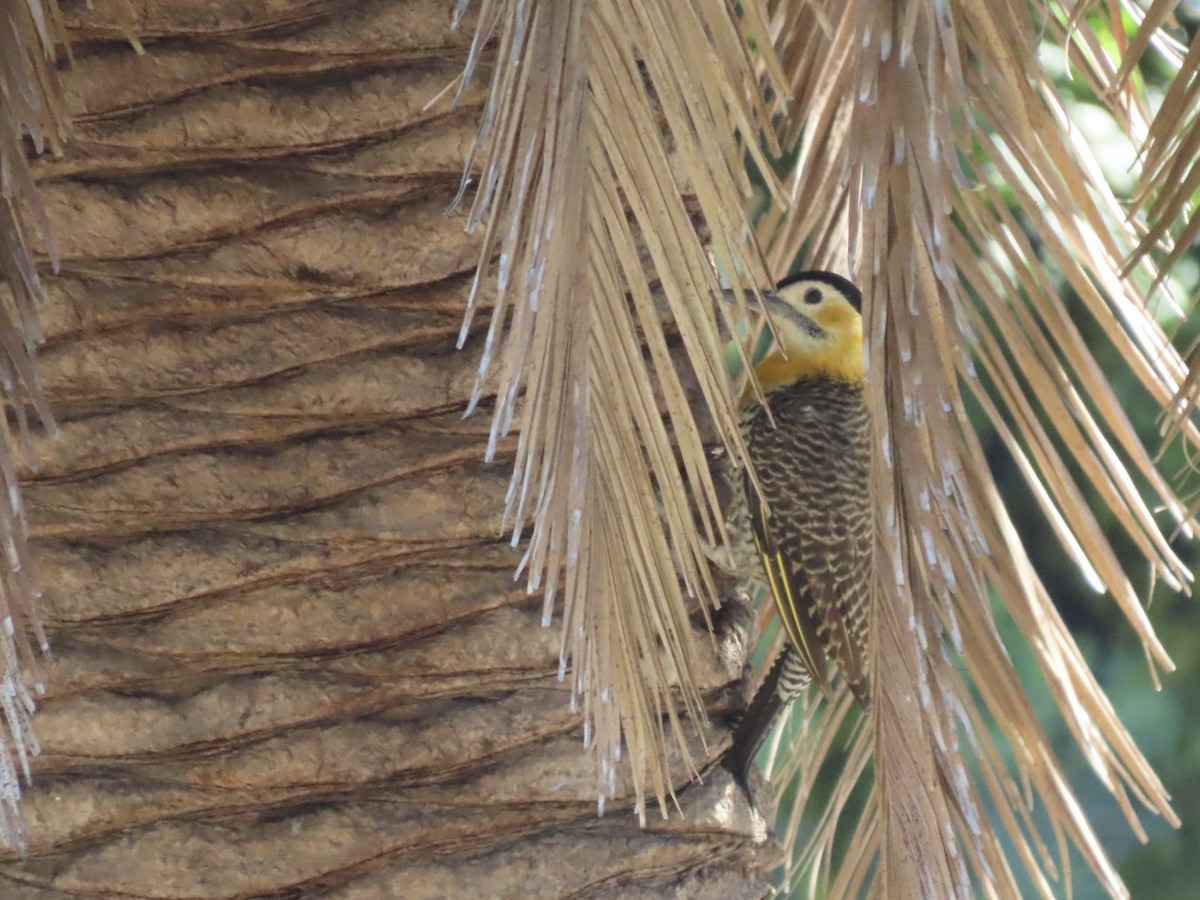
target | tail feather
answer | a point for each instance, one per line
(784, 681)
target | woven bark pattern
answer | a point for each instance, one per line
(289, 655)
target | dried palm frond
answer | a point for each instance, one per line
(913, 118)
(1169, 189)
(30, 104)
(594, 139)
(916, 129)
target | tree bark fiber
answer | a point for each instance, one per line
(290, 658)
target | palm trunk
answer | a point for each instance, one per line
(289, 655)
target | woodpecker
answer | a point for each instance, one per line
(813, 540)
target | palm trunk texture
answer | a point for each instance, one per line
(289, 655)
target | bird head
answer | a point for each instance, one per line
(818, 325)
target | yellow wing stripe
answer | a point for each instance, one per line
(785, 603)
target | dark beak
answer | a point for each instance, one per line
(777, 310)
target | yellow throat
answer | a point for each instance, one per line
(818, 337)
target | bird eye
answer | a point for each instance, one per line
(812, 296)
